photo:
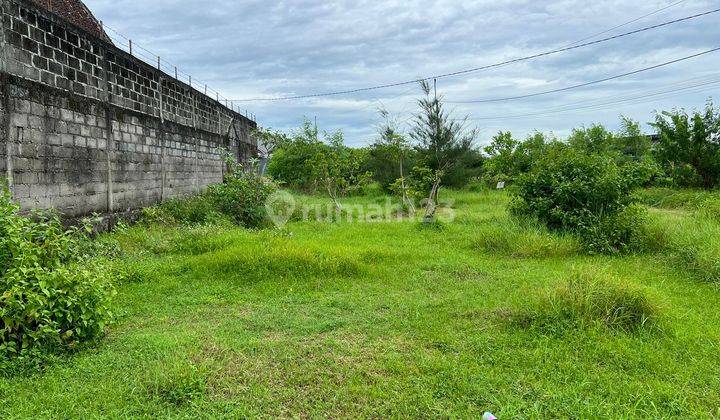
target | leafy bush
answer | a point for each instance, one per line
(242, 197)
(689, 148)
(55, 293)
(582, 193)
(590, 299)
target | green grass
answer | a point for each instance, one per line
(385, 319)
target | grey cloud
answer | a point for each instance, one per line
(259, 48)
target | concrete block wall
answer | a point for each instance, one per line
(85, 127)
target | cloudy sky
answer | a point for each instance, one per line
(271, 49)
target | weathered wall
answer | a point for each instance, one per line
(85, 127)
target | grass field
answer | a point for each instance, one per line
(389, 319)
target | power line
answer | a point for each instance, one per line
(475, 69)
(594, 82)
(625, 23)
(610, 101)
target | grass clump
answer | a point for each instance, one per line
(693, 242)
(179, 384)
(524, 238)
(590, 299)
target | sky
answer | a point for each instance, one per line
(274, 49)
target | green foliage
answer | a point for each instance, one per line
(55, 292)
(594, 140)
(292, 160)
(391, 156)
(509, 158)
(592, 299)
(631, 144)
(338, 168)
(581, 193)
(305, 162)
(242, 197)
(692, 242)
(417, 184)
(197, 209)
(668, 198)
(442, 143)
(689, 146)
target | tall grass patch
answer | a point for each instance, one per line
(592, 299)
(693, 243)
(524, 238)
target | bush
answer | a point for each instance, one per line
(242, 197)
(55, 293)
(581, 193)
(587, 300)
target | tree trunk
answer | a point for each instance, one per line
(406, 200)
(431, 204)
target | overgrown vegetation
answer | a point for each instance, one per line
(241, 198)
(586, 194)
(490, 312)
(55, 290)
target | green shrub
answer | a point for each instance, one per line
(591, 299)
(581, 193)
(54, 293)
(242, 197)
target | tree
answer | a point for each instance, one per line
(631, 143)
(388, 157)
(268, 141)
(292, 160)
(442, 142)
(689, 146)
(595, 140)
(510, 158)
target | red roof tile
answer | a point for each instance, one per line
(75, 12)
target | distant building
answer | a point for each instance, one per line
(75, 12)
